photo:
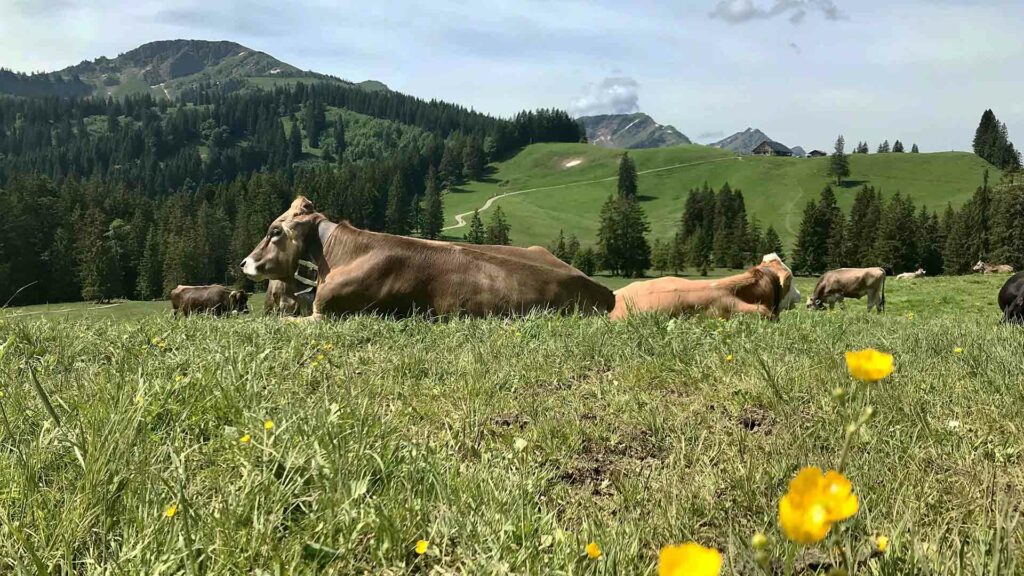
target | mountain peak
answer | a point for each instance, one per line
(742, 142)
(636, 130)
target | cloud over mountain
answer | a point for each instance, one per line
(617, 95)
(740, 11)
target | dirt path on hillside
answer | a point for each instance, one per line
(460, 219)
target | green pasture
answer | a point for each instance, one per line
(508, 444)
(775, 189)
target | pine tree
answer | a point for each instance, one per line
(313, 120)
(97, 263)
(150, 268)
(498, 228)
(896, 245)
(897, 148)
(661, 256)
(572, 248)
(839, 164)
(473, 160)
(772, 243)
(477, 234)
(627, 184)
(586, 261)
(883, 148)
(340, 144)
(294, 145)
(396, 220)
(433, 216)
(913, 149)
(754, 242)
(558, 247)
(986, 136)
(634, 227)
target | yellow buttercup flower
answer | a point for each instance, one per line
(593, 551)
(421, 547)
(759, 541)
(319, 357)
(958, 350)
(268, 425)
(179, 378)
(690, 559)
(328, 346)
(869, 365)
(245, 439)
(882, 544)
(729, 358)
(814, 502)
(170, 511)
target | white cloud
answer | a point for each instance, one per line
(740, 11)
(619, 95)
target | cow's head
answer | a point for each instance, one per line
(920, 272)
(238, 301)
(979, 267)
(277, 256)
(790, 295)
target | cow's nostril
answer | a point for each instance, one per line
(242, 265)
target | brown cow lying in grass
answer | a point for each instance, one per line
(361, 271)
(215, 299)
(759, 290)
(292, 297)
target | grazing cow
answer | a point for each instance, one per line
(911, 275)
(986, 268)
(361, 271)
(836, 285)
(293, 297)
(1011, 299)
(792, 297)
(759, 290)
(215, 299)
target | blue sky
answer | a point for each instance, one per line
(801, 70)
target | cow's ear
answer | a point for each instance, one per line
(302, 206)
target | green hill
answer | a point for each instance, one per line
(575, 179)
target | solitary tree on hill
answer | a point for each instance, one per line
(627, 185)
(913, 149)
(839, 166)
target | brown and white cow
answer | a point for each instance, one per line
(836, 285)
(911, 275)
(759, 290)
(986, 268)
(362, 271)
(215, 299)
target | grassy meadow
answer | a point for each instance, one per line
(775, 189)
(254, 445)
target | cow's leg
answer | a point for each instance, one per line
(742, 307)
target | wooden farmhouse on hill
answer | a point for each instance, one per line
(816, 154)
(771, 148)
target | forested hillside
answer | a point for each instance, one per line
(104, 198)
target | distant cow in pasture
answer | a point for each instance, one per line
(836, 285)
(760, 290)
(1011, 299)
(986, 268)
(215, 299)
(362, 271)
(912, 275)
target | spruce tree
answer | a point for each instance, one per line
(913, 149)
(572, 248)
(636, 253)
(839, 163)
(294, 145)
(477, 234)
(340, 144)
(772, 243)
(396, 220)
(433, 214)
(498, 228)
(558, 248)
(627, 181)
(897, 148)
(586, 261)
(883, 148)
(97, 263)
(150, 268)
(473, 160)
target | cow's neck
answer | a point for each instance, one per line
(336, 246)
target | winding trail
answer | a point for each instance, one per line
(460, 219)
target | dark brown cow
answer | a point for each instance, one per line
(395, 275)
(836, 285)
(759, 290)
(215, 299)
(1011, 299)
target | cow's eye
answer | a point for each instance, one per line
(275, 232)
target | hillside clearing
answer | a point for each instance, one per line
(775, 189)
(507, 444)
